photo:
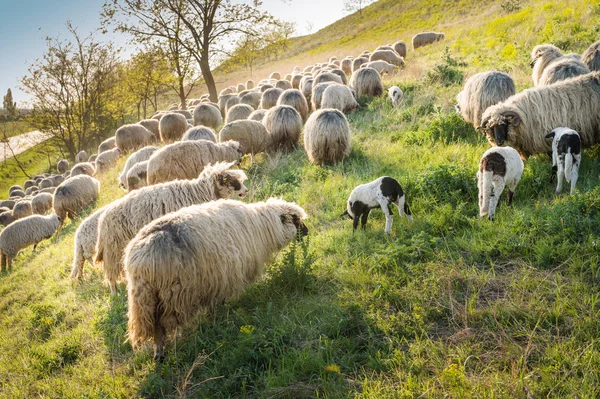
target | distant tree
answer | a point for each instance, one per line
(248, 51)
(351, 6)
(309, 26)
(9, 105)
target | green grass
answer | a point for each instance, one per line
(449, 305)
(34, 161)
(10, 129)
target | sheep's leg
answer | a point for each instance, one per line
(9, 263)
(3, 265)
(561, 174)
(388, 216)
(113, 287)
(574, 177)
(363, 219)
(355, 221)
(480, 189)
(511, 190)
(159, 341)
(498, 186)
(510, 197)
(34, 246)
(554, 169)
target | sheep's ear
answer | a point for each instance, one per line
(512, 117)
(223, 179)
(551, 135)
(483, 124)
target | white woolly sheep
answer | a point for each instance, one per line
(23, 233)
(566, 156)
(346, 65)
(193, 259)
(45, 183)
(284, 125)
(275, 75)
(232, 101)
(294, 98)
(6, 218)
(123, 218)
(382, 67)
(226, 91)
(426, 38)
(57, 179)
(327, 137)
(7, 204)
(591, 57)
(140, 155)
(82, 156)
(187, 114)
(41, 203)
(107, 144)
(207, 115)
(28, 183)
(366, 82)
(296, 81)
(50, 190)
(258, 115)
(62, 166)
(240, 87)
(107, 160)
(269, 98)
(85, 243)
(389, 56)
(380, 193)
(22, 209)
(92, 158)
(130, 138)
(317, 93)
(15, 187)
(152, 126)
(327, 77)
(544, 55)
(306, 85)
(339, 97)
(400, 48)
(83, 168)
(562, 69)
(252, 99)
(32, 190)
(252, 136)
(283, 84)
(498, 167)
(249, 84)
(238, 112)
(200, 133)
(396, 96)
(137, 176)
(74, 195)
(172, 126)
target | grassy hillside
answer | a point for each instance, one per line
(446, 306)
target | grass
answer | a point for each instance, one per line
(34, 161)
(10, 129)
(449, 305)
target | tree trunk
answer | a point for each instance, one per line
(182, 93)
(209, 80)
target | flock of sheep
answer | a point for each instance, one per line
(183, 245)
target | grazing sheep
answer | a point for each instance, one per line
(50, 190)
(57, 179)
(28, 183)
(306, 85)
(158, 116)
(566, 156)
(265, 87)
(275, 75)
(270, 97)
(186, 159)
(591, 56)
(238, 112)
(542, 56)
(498, 166)
(240, 87)
(45, 183)
(346, 65)
(284, 125)
(62, 166)
(396, 96)
(232, 101)
(207, 115)
(400, 48)
(193, 259)
(250, 84)
(562, 69)
(107, 144)
(258, 115)
(137, 176)
(523, 119)
(74, 195)
(226, 91)
(283, 84)
(32, 190)
(294, 98)
(22, 209)
(7, 204)
(152, 126)
(380, 193)
(339, 97)
(14, 188)
(252, 136)
(41, 203)
(327, 137)
(84, 168)
(426, 38)
(287, 78)
(187, 114)
(130, 138)
(252, 99)
(481, 91)
(382, 67)
(123, 218)
(6, 218)
(389, 56)
(200, 133)
(82, 156)
(92, 158)
(366, 82)
(317, 94)
(107, 160)
(85, 243)
(140, 155)
(296, 81)
(23, 233)
(341, 74)
(172, 126)
(327, 77)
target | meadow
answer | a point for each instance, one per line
(449, 305)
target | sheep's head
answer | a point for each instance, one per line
(291, 216)
(543, 51)
(230, 183)
(497, 126)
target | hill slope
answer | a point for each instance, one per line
(446, 306)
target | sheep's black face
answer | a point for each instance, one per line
(532, 63)
(500, 133)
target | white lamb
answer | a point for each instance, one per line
(395, 94)
(566, 155)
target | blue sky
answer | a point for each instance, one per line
(25, 23)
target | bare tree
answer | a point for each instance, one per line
(352, 6)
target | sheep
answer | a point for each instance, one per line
(92, 158)
(249, 84)
(187, 159)
(74, 195)
(400, 48)
(269, 98)
(498, 166)
(84, 168)
(389, 56)
(50, 190)
(107, 144)
(123, 218)
(266, 87)
(317, 94)
(207, 115)
(327, 77)
(132, 137)
(226, 91)
(32, 190)
(6, 218)
(234, 100)
(172, 126)
(82, 156)
(591, 56)
(14, 188)
(523, 119)
(542, 56)
(158, 116)
(386, 47)
(339, 97)
(396, 96)
(57, 179)
(137, 176)
(283, 84)
(152, 126)
(252, 99)
(346, 65)
(85, 243)
(238, 112)
(275, 75)
(200, 133)
(7, 204)
(22, 209)
(62, 166)
(481, 91)
(382, 67)
(306, 85)
(296, 81)
(45, 183)
(199, 256)
(140, 155)
(426, 38)
(23, 233)
(341, 74)
(294, 98)
(366, 82)
(380, 193)
(240, 87)
(107, 160)
(284, 125)
(566, 156)
(562, 69)
(327, 137)
(187, 114)
(252, 136)
(258, 115)
(41, 203)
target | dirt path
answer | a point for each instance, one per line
(21, 143)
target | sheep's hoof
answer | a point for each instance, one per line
(159, 359)
(491, 218)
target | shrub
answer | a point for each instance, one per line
(447, 72)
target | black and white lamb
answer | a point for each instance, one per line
(566, 156)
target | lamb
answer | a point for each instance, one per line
(400, 48)
(22, 209)
(74, 195)
(207, 115)
(107, 160)
(327, 137)
(83, 168)
(200, 133)
(366, 82)
(252, 99)
(566, 156)
(523, 119)
(498, 166)
(258, 115)
(85, 243)
(252, 136)
(238, 112)
(426, 38)
(202, 255)
(82, 156)
(339, 97)
(23, 233)
(107, 144)
(123, 218)
(140, 155)
(481, 91)
(186, 159)
(591, 57)
(389, 56)
(380, 193)
(62, 166)
(41, 203)
(396, 96)
(172, 126)
(137, 176)
(130, 138)
(295, 98)
(152, 126)
(562, 69)
(284, 125)
(270, 97)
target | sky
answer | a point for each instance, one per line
(24, 24)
